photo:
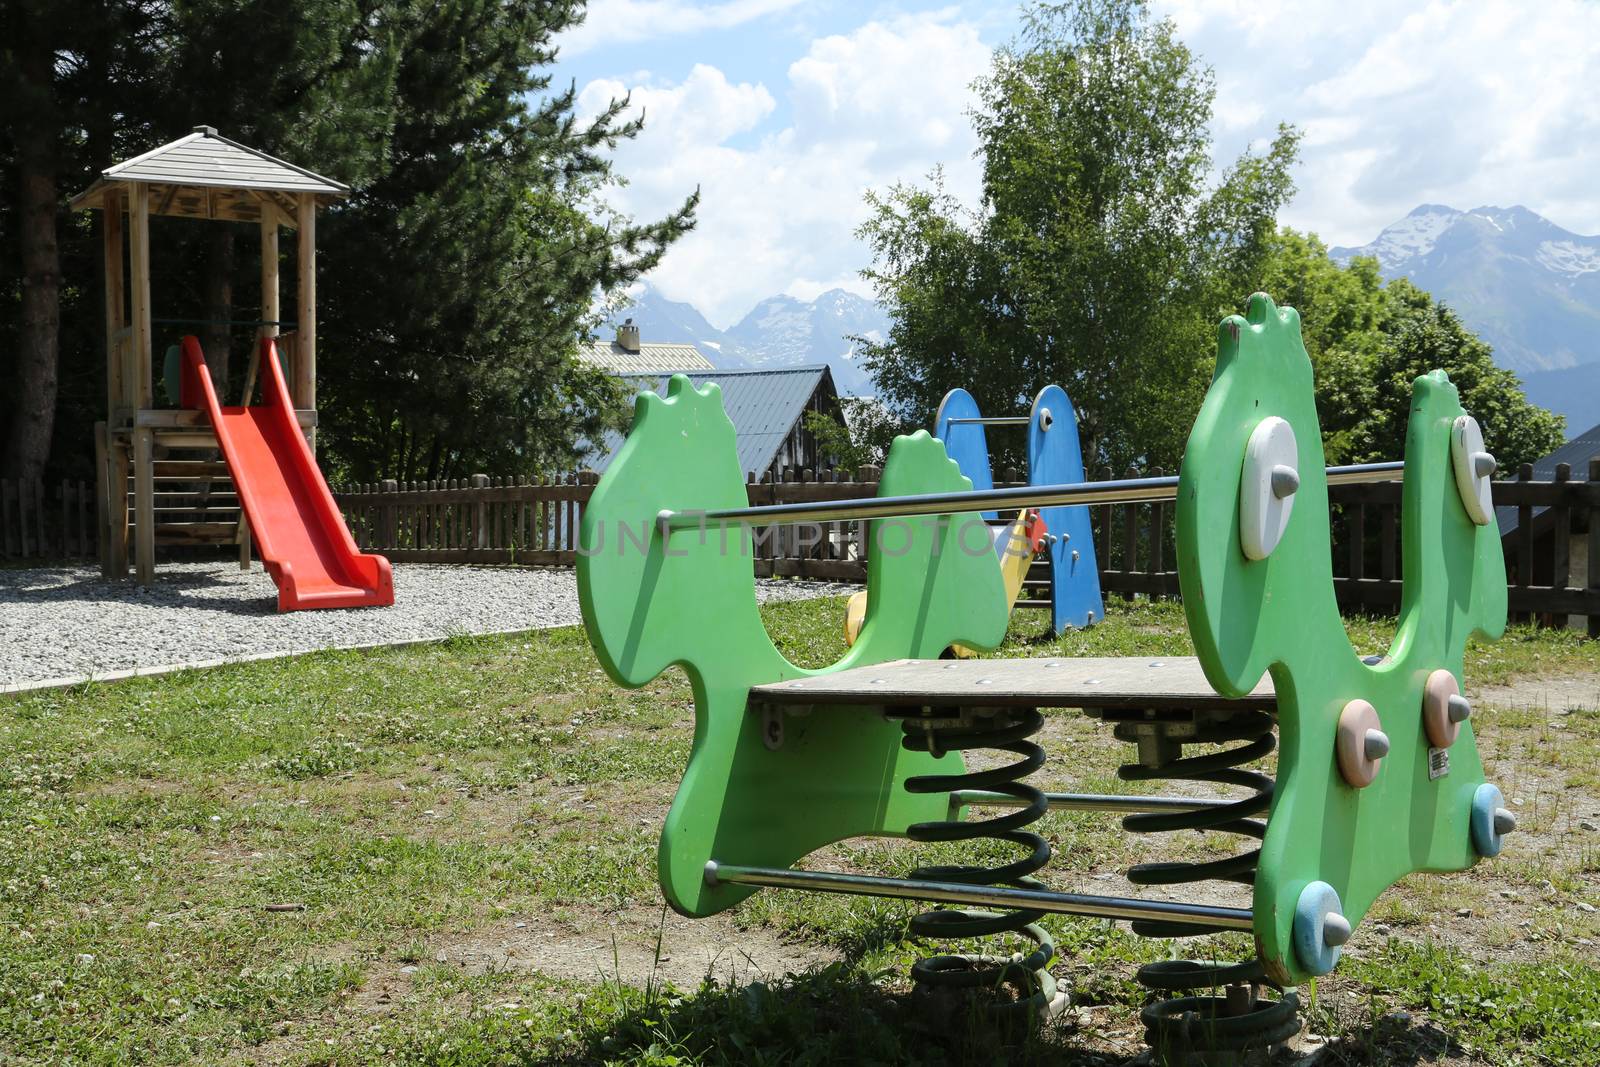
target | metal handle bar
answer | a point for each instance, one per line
(1092, 802)
(998, 420)
(995, 896)
(1116, 491)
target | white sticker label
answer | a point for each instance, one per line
(1438, 763)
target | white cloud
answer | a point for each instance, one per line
(882, 104)
(1463, 103)
(702, 109)
(621, 21)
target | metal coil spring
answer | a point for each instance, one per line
(1180, 1026)
(1028, 976)
(1222, 768)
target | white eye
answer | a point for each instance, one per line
(1474, 467)
(1267, 487)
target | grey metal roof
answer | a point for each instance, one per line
(650, 359)
(1578, 451)
(764, 406)
(205, 157)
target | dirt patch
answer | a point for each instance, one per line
(1571, 692)
(634, 946)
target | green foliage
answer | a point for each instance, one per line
(861, 439)
(1422, 335)
(1369, 341)
(456, 282)
(1101, 258)
(1519, 1013)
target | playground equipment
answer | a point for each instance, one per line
(1016, 544)
(1378, 776)
(300, 534)
(205, 176)
(1062, 531)
(1055, 457)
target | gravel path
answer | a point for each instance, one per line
(67, 623)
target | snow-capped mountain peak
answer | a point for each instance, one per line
(781, 330)
(1524, 284)
(1415, 235)
(1569, 257)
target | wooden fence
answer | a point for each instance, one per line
(1552, 557)
(473, 520)
(1552, 571)
(39, 521)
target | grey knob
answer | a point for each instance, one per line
(1504, 821)
(1376, 744)
(1285, 481)
(1483, 464)
(1460, 708)
(1335, 929)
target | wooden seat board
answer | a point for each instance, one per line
(1055, 682)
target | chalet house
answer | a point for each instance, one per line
(627, 355)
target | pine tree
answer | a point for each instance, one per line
(454, 285)
(458, 353)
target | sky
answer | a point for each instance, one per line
(785, 113)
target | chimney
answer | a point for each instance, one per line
(628, 336)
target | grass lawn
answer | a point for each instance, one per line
(445, 854)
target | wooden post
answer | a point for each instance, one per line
(1561, 532)
(144, 497)
(117, 527)
(1130, 534)
(1594, 550)
(1524, 541)
(143, 392)
(1356, 528)
(269, 293)
(1386, 515)
(244, 539)
(390, 521)
(1104, 512)
(480, 514)
(1158, 528)
(304, 387)
(115, 297)
(102, 498)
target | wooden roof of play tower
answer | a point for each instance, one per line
(207, 176)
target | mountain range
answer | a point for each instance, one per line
(780, 331)
(1525, 285)
(1522, 283)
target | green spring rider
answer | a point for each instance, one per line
(1377, 773)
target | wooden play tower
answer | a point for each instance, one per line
(146, 456)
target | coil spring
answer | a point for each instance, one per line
(1028, 976)
(1180, 1026)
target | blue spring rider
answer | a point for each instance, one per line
(1054, 457)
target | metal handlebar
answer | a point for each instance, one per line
(1116, 491)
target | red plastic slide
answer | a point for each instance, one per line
(298, 530)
